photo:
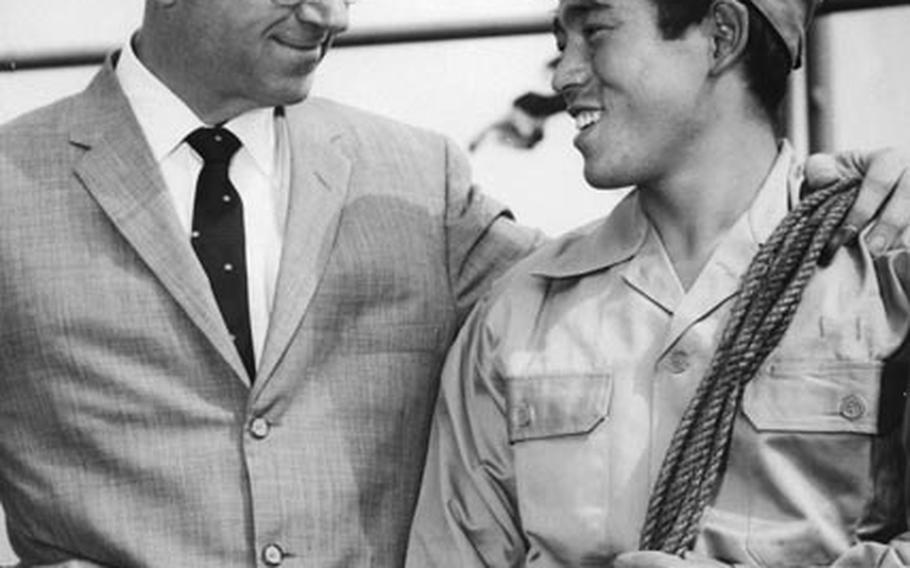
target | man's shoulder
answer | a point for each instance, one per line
(361, 124)
(530, 276)
(348, 116)
(44, 122)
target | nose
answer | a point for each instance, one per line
(331, 15)
(572, 70)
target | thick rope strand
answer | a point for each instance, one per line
(769, 295)
(689, 502)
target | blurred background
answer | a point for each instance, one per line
(478, 71)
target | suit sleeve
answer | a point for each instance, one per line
(467, 514)
(482, 237)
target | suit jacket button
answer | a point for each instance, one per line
(259, 428)
(272, 555)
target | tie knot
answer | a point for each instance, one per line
(215, 145)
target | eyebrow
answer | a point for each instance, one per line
(573, 10)
(587, 4)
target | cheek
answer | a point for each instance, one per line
(610, 67)
(667, 98)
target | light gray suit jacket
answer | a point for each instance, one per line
(129, 435)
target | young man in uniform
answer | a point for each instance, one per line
(561, 395)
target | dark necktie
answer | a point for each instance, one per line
(217, 235)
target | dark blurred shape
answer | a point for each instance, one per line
(522, 126)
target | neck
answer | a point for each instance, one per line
(693, 207)
(162, 56)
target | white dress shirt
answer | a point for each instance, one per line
(260, 171)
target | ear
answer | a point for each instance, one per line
(728, 27)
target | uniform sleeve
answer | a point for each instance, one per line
(466, 515)
(892, 479)
(483, 239)
(885, 538)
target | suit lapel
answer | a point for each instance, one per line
(121, 174)
(320, 175)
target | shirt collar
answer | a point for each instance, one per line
(256, 130)
(166, 120)
(778, 193)
(621, 235)
(601, 245)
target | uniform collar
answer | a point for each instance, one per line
(601, 245)
(622, 234)
(777, 195)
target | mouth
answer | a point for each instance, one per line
(300, 44)
(585, 118)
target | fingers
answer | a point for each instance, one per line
(883, 200)
(885, 190)
(844, 236)
(878, 173)
(893, 220)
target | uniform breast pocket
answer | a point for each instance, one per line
(552, 406)
(814, 426)
(815, 396)
(559, 431)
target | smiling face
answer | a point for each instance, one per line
(638, 99)
(229, 56)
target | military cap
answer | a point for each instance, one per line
(790, 18)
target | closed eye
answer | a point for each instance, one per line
(595, 31)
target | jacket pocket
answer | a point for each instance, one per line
(815, 396)
(547, 406)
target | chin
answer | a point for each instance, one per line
(290, 90)
(288, 96)
(600, 179)
(294, 98)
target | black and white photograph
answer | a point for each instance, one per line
(454, 284)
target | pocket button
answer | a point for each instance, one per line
(522, 416)
(678, 362)
(852, 407)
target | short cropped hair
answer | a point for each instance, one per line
(765, 59)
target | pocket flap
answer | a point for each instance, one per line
(815, 396)
(556, 405)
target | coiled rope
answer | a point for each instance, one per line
(769, 294)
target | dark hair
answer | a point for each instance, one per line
(765, 59)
